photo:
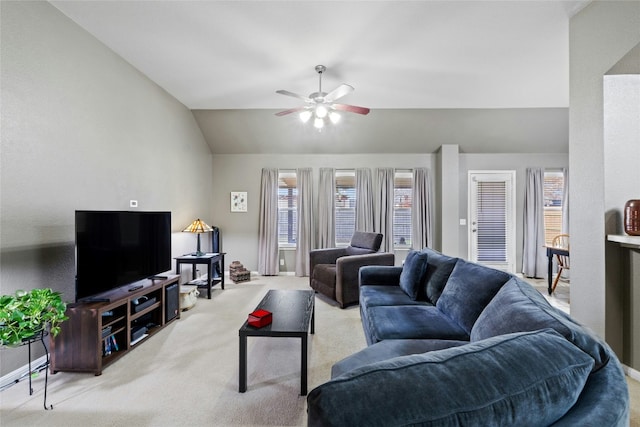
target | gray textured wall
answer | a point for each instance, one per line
(82, 129)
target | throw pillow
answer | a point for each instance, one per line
(469, 289)
(530, 378)
(438, 271)
(413, 271)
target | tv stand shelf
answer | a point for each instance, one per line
(99, 333)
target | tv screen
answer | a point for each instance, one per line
(118, 248)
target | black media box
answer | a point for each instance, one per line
(142, 303)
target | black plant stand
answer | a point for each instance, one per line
(28, 341)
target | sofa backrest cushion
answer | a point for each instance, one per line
(366, 240)
(469, 289)
(439, 268)
(509, 380)
(518, 306)
(413, 272)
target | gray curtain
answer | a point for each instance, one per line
(421, 213)
(534, 254)
(304, 234)
(364, 200)
(565, 202)
(384, 205)
(326, 209)
(268, 224)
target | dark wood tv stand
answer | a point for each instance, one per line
(99, 333)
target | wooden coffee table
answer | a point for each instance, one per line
(293, 311)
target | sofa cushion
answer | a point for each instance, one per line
(520, 307)
(413, 272)
(439, 268)
(468, 291)
(388, 349)
(517, 379)
(377, 295)
(411, 321)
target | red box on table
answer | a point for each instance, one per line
(260, 318)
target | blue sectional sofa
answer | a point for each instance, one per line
(451, 342)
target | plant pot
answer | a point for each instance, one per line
(632, 218)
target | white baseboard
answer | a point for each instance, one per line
(631, 373)
(20, 373)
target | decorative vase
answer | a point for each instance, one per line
(632, 218)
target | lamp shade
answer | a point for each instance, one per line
(198, 226)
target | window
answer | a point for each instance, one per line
(287, 208)
(345, 209)
(553, 191)
(402, 204)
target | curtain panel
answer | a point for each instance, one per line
(305, 232)
(326, 209)
(384, 208)
(364, 200)
(534, 254)
(421, 213)
(565, 202)
(268, 224)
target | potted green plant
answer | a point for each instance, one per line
(26, 314)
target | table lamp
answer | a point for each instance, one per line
(198, 227)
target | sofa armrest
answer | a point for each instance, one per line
(380, 275)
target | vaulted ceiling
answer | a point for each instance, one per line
(234, 55)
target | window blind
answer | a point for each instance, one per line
(492, 221)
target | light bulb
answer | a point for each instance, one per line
(318, 123)
(305, 116)
(321, 111)
(334, 117)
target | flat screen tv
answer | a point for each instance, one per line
(118, 248)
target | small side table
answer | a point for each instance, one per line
(210, 259)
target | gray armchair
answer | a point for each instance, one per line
(334, 271)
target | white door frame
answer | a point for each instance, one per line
(509, 178)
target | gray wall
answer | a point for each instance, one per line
(599, 36)
(239, 231)
(622, 182)
(82, 129)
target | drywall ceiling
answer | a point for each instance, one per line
(397, 54)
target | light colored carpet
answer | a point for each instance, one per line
(187, 374)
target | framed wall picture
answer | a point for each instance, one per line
(238, 201)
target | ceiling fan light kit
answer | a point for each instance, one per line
(320, 105)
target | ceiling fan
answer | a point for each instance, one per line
(321, 104)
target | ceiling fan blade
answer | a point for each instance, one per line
(293, 110)
(338, 92)
(351, 108)
(295, 95)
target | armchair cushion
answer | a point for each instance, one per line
(366, 240)
(413, 272)
(354, 250)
